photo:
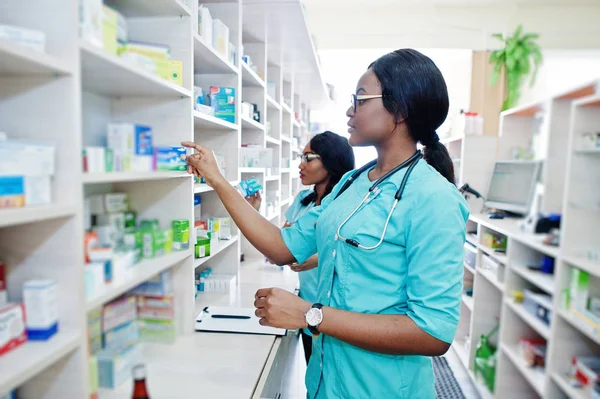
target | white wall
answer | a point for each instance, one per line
(343, 68)
(561, 71)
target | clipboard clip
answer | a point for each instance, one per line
(202, 314)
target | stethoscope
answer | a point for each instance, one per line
(373, 192)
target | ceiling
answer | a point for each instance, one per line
(467, 24)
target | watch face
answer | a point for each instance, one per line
(314, 317)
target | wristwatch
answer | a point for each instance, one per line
(314, 317)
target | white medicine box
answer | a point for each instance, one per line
(41, 309)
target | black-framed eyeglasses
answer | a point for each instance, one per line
(306, 158)
(358, 99)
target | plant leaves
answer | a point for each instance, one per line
(495, 75)
(498, 36)
(518, 32)
(496, 55)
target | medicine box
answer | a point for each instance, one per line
(493, 241)
(175, 69)
(157, 330)
(33, 39)
(109, 29)
(108, 203)
(118, 312)
(153, 243)
(115, 368)
(12, 327)
(205, 25)
(156, 307)
(26, 158)
(256, 157)
(153, 51)
(222, 100)
(90, 22)
(122, 337)
(94, 278)
(130, 138)
(169, 159)
(159, 285)
(220, 39)
(93, 370)
(41, 306)
(12, 191)
(202, 247)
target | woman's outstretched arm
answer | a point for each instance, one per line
(265, 236)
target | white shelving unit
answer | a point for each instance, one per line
(68, 94)
(558, 124)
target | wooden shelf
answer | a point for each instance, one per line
(16, 60)
(106, 74)
(272, 140)
(571, 392)
(251, 78)
(468, 301)
(253, 170)
(580, 325)
(139, 273)
(286, 108)
(220, 247)
(541, 280)
(208, 122)
(119, 177)
(34, 214)
(584, 264)
(208, 61)
(489, 276)
(535, 323)
(157, 8)
(500, 257)
(271, 103)
(470, 269)
(534, 375)
(24, 362)
(251, 124)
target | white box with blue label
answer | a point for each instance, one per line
(41, 309)
(169, 159)
(130, 138)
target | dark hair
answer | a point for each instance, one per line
(337, 157)
(414, 91)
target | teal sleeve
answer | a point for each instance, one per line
(296, 205)
(301, 238)
(434, 251)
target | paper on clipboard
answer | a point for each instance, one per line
(205, 321)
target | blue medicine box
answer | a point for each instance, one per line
(222, 100)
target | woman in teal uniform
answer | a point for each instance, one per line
(325, 159)
(390, 241)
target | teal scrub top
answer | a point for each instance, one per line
(310, 278)
(417, 271)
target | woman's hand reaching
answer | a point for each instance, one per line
(255, 200)
(203, 164)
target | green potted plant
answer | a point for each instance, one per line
(520, 57)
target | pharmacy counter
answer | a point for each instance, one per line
(216, 365)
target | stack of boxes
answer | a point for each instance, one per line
(105, 27)
(220, 102)
(256, 156)
(120, 337)
(146, 314)
(26, 172)
(206, 281)
(115, 242)
(216, 34)
(130, 149)
(156, 308)
(582, 299)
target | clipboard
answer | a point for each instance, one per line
(233, 320)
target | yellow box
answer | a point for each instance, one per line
(176, 72)
(109, 29)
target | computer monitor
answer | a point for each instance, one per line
(513, 186)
